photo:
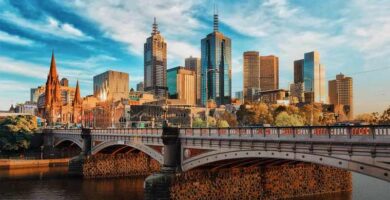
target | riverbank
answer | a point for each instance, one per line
(23, 164)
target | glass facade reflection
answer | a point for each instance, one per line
(314, 76)
(216, 67)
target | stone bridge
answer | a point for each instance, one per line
(361, 149)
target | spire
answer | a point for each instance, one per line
(215, 18)
(77, 97)
(53, 67)
(155, 27)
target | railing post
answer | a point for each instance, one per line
(87, 141)
(372, 131)
(311, 132)
(172, 152)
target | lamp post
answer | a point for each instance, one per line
(206, 93)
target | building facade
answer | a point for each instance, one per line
(273, 96)
(216, 67)
(251, 73)
(298, 71)
(155, 64)
(111, 85)
(314, 78)
(36, 92)
(194, 64)
(182, 84)
(140, 86)
(269, 73)
(341, 93)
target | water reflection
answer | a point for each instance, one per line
(53, 183)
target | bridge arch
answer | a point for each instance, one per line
(73, 140)
(350, 165)
(141, 147)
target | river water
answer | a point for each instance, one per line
(53, 183)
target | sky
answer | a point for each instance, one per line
(93, 36)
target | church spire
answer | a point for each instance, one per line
(77, 96)
(53, 67)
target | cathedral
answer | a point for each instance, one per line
(60, 104)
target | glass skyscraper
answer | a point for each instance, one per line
(216, 67)
(314, 77)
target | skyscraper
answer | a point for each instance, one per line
(341, 92)
(140, 86)
(298, 71)
(181, 83)
(251, 73)
(314, 78)
(155, 63)
(269, 73)
(194, 64)
(216, 67)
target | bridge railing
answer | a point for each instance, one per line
(355, 133)
(128, 131)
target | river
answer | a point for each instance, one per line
(53, 183)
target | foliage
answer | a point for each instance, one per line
(198, 123)
(229, 118)
(15, 132)
(222, 124)
(370, 118)
(385, 118)
(284, 119)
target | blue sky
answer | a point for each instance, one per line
(92, 36)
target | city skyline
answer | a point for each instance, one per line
(79, 42)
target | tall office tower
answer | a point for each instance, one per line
(269, 73)
(341, 93)
(216, 67)
(251, 74)
(314, 78)
(35, 93)
(195, 65)
(140, 86)
(111, 85)
(155, 64)
(181, 82)
(298, 71)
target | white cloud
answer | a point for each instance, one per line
(48, 25)
(130, 22)
(14, 39)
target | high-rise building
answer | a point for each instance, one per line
(269, 73)
(341, 93)
(251, 74)
(140, 86)
(64, 82)
(298, 71)
(195, 65)
(314, 78)
(216, 67)
(155, 63)
(181, 82)
(35, 93)
(111, 85)
(239, 95)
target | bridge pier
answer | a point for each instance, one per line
(158, 184)
(76, 164)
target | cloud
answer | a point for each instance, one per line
(130, 22)
(47, 25)
(14, 39)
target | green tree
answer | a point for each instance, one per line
(198, 123)
(284, 119)
(229, 118)
(16, 132)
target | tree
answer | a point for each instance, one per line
(229, 118)
(284, 119)
(16, 132)
(198, 123)
(222, 124)
(385, 117)
(367, 118)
